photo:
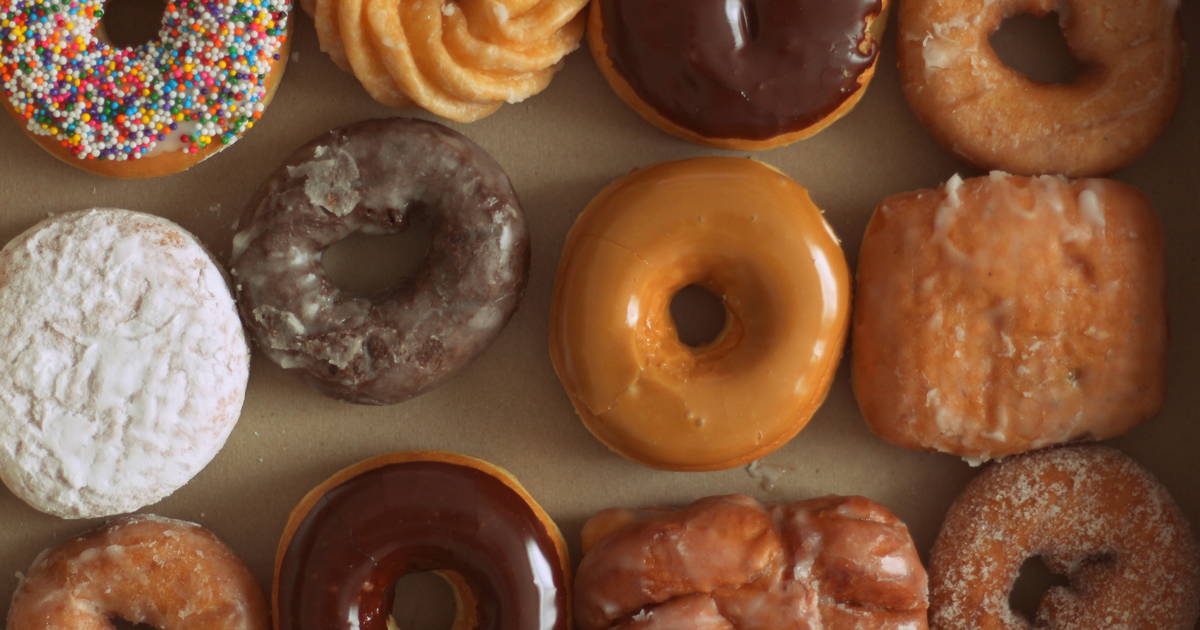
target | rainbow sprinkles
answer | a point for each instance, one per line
(202, 81)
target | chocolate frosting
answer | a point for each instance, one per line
(749, 69)
(363, 535)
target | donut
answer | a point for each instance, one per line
(148, 110)
(125, 362)
(459, 59)
(141, 569)
(1003, 313)
(380, 177)
(468, 521)
(1093, 515)
(752, 237)
(1131, 55)
(738, 75)
(732, 563)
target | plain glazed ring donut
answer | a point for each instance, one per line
(351, 538)
(147, 110)
(738, 75)
(379, 177)
(732, 563)
(143, 569)
(1094, 516)
(996, 118)
(751, 236)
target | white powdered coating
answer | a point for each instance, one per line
(1094, 516)
(127, 365)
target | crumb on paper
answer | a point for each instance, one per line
(767, 475)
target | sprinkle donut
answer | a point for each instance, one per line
(1093, 515)
(147, 110)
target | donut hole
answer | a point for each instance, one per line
(1034, 580)
(423, 601)
(699, 315)
(130, 23)
(1035, 47)
(371, 265)
(120, 623)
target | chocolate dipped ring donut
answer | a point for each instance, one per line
(748, 74)
(379, 177)
(351, 538)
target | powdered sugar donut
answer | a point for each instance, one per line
(126, 364)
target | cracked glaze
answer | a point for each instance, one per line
(378, 177)
(465, 519)
(126, 364)
(752, 237)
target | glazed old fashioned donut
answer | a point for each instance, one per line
(143, 569)
(380, 177)
(732, 563)
(149, 110)
(995, 117)
(742, 75)
(752, 237)
(1093, 515)
(1002, 314)
(352, 537)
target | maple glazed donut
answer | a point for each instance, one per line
(744, 75)
(380, 177)
(1003, 313)
(752, 237)
(352, 537)
(1131, 55)
(148, 110)
(1094, 516)
(730, 563)
(142, 569)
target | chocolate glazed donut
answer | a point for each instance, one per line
(378, 177)
(471, 523)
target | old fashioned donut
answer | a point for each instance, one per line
(143, 569)
(379, 177)
(1093, 515)
(732, 563)
(148, 110)
(742, 75)
(752, 237)
(1002, 314)
(125, 362)
(1131, 55)
(352, 537)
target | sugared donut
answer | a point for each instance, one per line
(995, 117)
(752, 237)
(468, 521)
(125, 362)
(742, 75)
(143, 569)
(732, 563)
(380, 177)
(1002, 314)
(1093, 515)
(149, 110)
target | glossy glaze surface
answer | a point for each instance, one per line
(742, 68)
(365, 533)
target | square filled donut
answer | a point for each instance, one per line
(1002, 314)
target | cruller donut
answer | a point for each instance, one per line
(751, 236)
(148, 110)
(992, 115)
(470, 522)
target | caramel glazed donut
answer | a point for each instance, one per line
(148, 110)
(995, 117)
(732, 563)
(471, 523)
(379, 177)
(142, 569)
(1094, 516)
